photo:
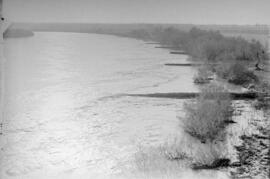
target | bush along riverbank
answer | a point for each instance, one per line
(206, 120)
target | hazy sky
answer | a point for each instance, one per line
(138, 11)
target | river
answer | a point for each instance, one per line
(64, 114)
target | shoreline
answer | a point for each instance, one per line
(252, 157)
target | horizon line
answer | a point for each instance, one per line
(143, 23)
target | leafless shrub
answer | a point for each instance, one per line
(236, 73)
(263, 102)
(206, 117)
(203, 75)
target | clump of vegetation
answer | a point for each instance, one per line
(164, 161)
(262, 102)
(263, 87)
(236, 73)
(140, 34)
(203, 76)
(206, 117)
(205, 121)
(171, 159)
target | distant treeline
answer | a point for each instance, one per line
(124, 28)
(206, 45)
(257, 29)
(139, 30)
(233, 54)
(198, 40)
(17, 33)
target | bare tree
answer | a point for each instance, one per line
(258, 61)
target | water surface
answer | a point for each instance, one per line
(64, 114)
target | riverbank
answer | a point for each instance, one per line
(251, 147)
(252, 157)
(253, 151)
(246, 148)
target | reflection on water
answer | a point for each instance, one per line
(63, 112)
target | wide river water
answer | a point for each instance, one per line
(64, 114)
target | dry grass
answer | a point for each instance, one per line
(158, 158)
(206, 154)
(174, 158)
(154, 162)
